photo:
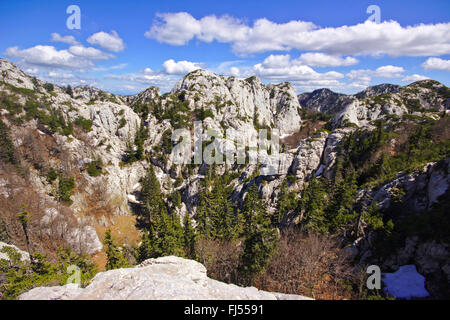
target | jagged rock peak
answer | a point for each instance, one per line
(427, 83)
(324, 100)
(145, 96)
(378, 89)
(13, 75)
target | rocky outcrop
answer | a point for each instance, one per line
(166, 278)
(324, 100)
(24, 256)
(238, 101)
(309, 156)
(420, 189)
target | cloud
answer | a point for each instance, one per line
(89, 53)
(234, 71)
(436, 64)
(109, 41)
(367, 38)
(177, 28)
(56, 37)
(317, 59)
(282, 68)
(48, 56)
(180, 67)
(31, 70)
(414, 77)
(165, 78)
(145, 78)
(113, 67)
(388, 71)
(57, 75)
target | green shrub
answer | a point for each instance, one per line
(23, 276)
(95, 168)
(49, 87)
(86, 124)
(65, 189)
(122, 123)
(7, 149)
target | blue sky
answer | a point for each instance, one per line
(126, 46)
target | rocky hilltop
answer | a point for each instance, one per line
(166, 278)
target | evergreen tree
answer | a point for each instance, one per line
(261, 240)
(169, 235)
(190, 238)
(166, 232)
(7, 149)
(115, 258)
(286, 203)
(139, 139)
(340, 210)
(24, 218)
(151, 195)
(312, 206)
(203, 221)
(215, 213)
(146, 249)
(69, 90)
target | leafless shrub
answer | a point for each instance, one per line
(221, 259)
(308, 264)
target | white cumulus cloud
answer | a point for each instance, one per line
(109, 41)
(414, 77)
(388, 71)
(180, 67)
(88, 52)
(317, 59)
(281, 67)
(436, 64)
(56, 37)
(368, 38)
(48, 56)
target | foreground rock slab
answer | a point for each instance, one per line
(166, 278)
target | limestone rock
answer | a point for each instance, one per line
(24, 256)
(166, 278)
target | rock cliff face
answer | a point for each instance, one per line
(24, 256)
(378, 102)
(166, 278)
(324, 100)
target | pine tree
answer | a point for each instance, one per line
(69, 91)
(24, 218)
(261, 240)
(286, 203)
(201, 216)
(151, 195)
(166, 232)
(190, 238)
(115, 258)
(146, 249)
(139, 142)
(339, 211)
(215, 213)
(7, 149)
(312, 206)
(169, 235)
